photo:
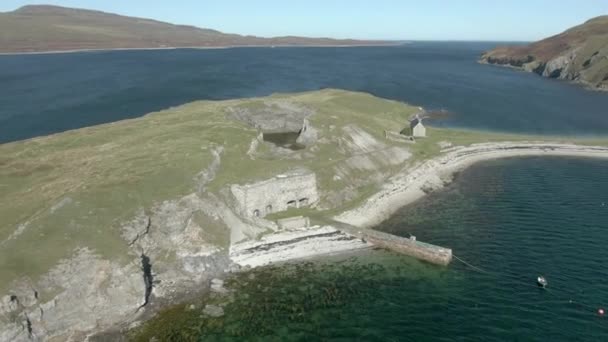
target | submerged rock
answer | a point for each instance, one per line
(233, 268)
(217, 286)
(213, 310)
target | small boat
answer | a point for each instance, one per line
(541, 281)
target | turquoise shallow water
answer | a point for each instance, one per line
(514, 218)
(517, 218)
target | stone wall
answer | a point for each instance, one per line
(398, 137)
(295, 189)
(295, 222)
(417, 249)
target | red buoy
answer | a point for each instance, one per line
(601, 311)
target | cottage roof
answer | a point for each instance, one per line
(415, 121)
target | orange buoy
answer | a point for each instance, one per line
(601, 311)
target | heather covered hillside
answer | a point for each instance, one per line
(579, 54)
(42, 28)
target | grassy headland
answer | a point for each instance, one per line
(76, 189)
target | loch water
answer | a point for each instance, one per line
(44, 94)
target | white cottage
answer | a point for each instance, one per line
(417, 129)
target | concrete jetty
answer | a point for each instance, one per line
(411, 247)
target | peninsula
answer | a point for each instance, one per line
(579, 54)
(103, 226)
(45, 28)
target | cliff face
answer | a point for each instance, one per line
(579, 54)
(51, 28)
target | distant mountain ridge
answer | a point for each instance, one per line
(578, 54)
(46, 28)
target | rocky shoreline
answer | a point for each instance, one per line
(295, 244)
(414, 183)
(542, 70)
(271, 249)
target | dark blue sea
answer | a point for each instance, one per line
(511, 219)
(44, 94)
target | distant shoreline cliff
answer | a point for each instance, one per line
(51, 52)
(45, 29)
(579, 54)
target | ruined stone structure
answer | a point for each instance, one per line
(291, 190)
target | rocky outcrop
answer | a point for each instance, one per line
(514, 61)
(579, 54)
(208, 174)
(174, 250)
(213, 310)
(78, 307)
(308, 134)
(295, 244)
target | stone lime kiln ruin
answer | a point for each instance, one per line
(295, 189)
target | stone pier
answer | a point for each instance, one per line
(410, 247)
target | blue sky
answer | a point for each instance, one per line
(378, 19)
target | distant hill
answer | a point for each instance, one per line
(579, 54)
(44, 28)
